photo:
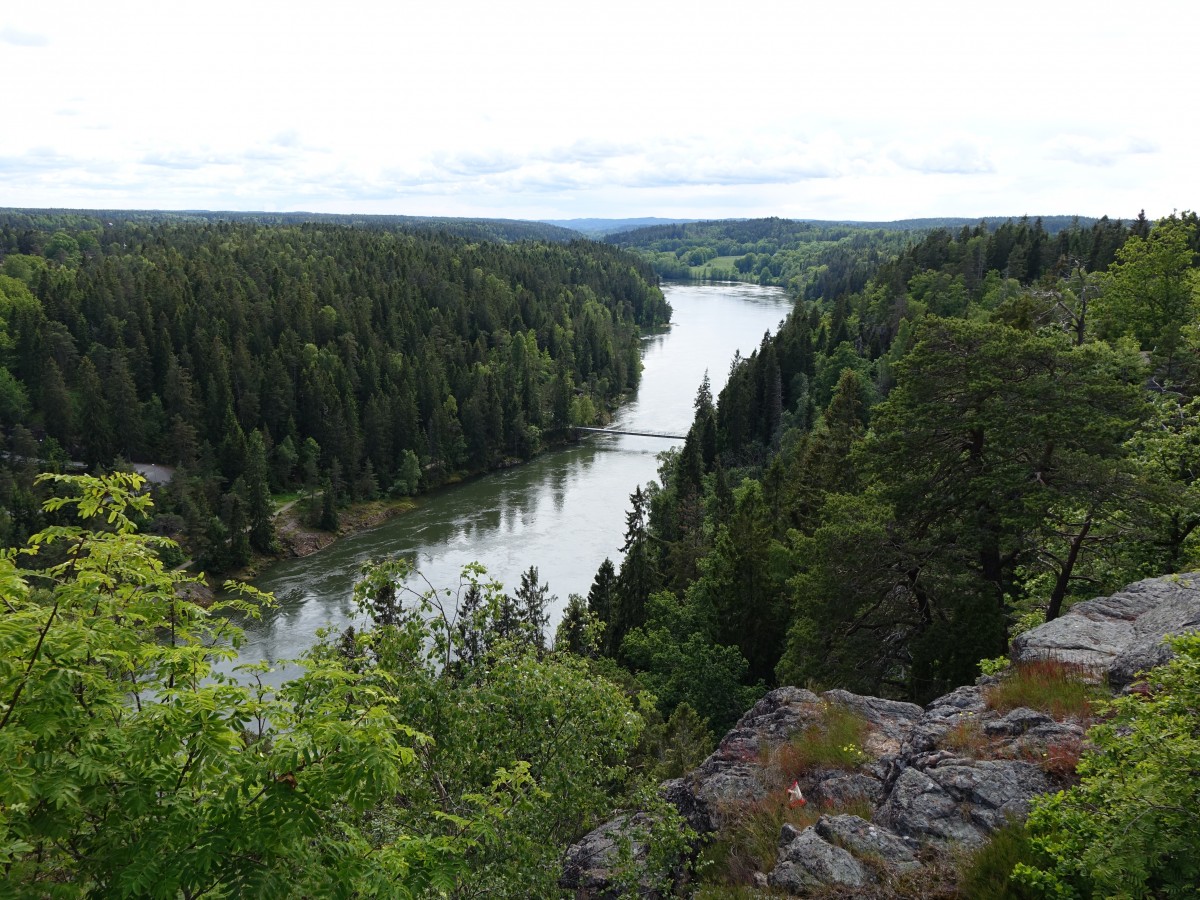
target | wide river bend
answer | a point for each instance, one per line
(564, 512)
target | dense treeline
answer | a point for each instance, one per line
(816, 260)
(999, 423)
(1052, 224)
(338, 361)
(802, 256)
(503, 230)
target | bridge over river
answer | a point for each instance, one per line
(653, 434)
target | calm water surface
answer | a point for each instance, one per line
(564, 512)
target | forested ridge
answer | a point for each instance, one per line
(502, 230)
(342, 362)
(820, 259)
(998, 423)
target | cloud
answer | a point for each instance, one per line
(731, 169)
(473, 163)
(591, 151)
(18, 38)
(183, 159)
(958, 156)
(38, 159)
(595, 165)
(1099, 152)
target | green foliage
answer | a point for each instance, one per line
(686, 743)
(1131, 826)
(806, 256)
(1166, 453)
(466, 667)
(844, 596)
(441, 752)
(676, 658)
(989, 434)
(994, 666)
(1152, 290)
(987, 873)
(128, 767)
(580, 631)
(408, 476)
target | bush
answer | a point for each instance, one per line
(130, 767)
(1132, 825)
(987, 873)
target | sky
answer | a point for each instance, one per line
(548, 109)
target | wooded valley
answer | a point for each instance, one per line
(955, 435)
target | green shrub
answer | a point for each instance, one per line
(987, 873)
(1132, 825)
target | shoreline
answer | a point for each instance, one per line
(297, 540)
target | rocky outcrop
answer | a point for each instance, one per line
(869, 841)
(927, 780)
(806, 860)
(591, 864)
(960, 800)
(1121, 635)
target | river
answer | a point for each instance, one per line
(564, 512)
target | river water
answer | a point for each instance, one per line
(564, 512)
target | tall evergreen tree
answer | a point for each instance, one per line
(259, 509)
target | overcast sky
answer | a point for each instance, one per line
(532, 109)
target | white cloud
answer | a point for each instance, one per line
(1092, 151)
(20, 38)
(956, 156)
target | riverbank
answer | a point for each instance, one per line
(297, 540)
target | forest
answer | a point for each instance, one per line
(337, 361)
(955, 435)
(812, 259)
(997, 424)
(499, 230)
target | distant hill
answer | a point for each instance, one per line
(501, 230)
(602, 227)
(635, 235)
(816, 258)
(1052, 224)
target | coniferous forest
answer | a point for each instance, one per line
(955, 435)
(998, 423)
(339, 361)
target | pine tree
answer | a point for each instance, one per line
(638, 578)
(259, 509)
(601, 599)
(532, 599)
